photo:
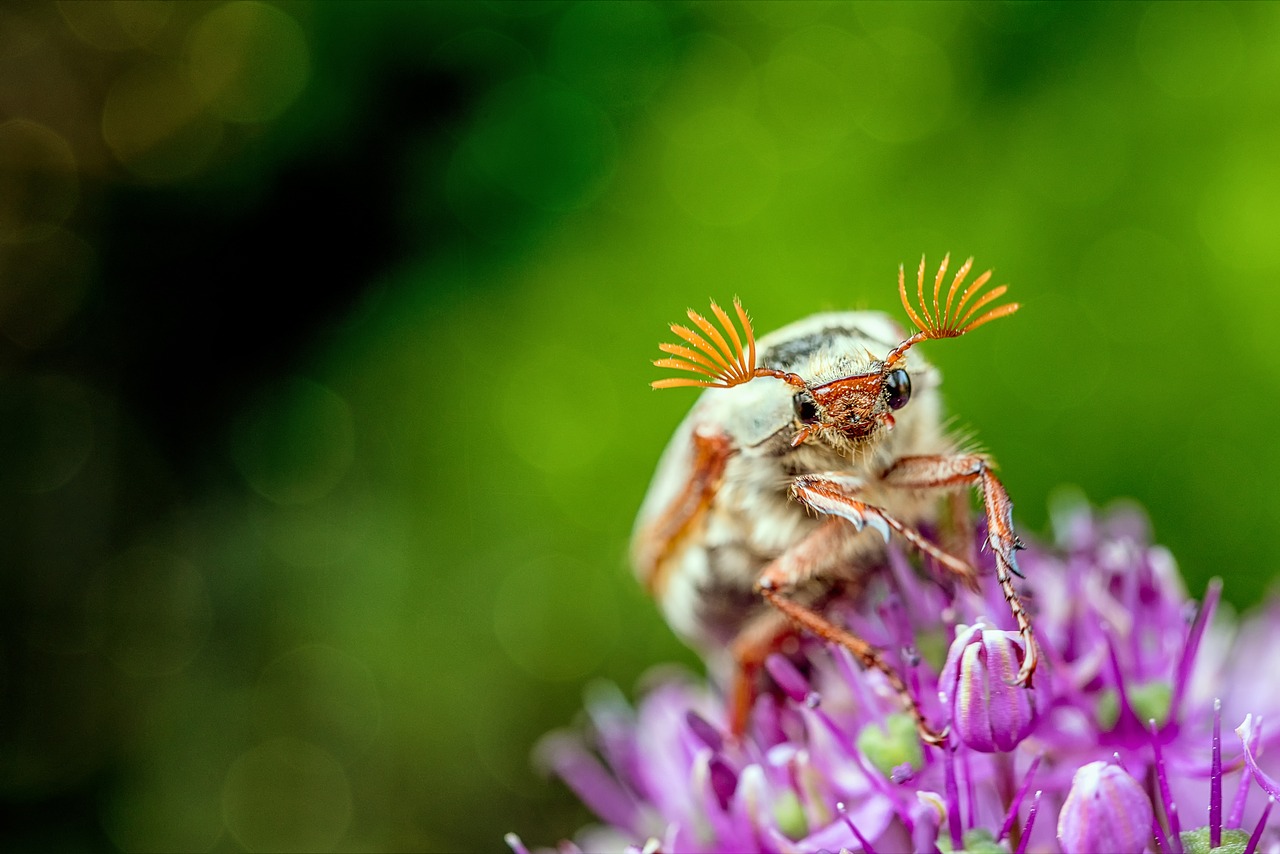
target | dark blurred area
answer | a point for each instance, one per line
(325, 332)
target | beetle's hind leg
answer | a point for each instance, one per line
(758, 639)
(825, 548)
(868, 655)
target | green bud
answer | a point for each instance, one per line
(788, 814)
(896, 743)
(1150, 701)
(977, 840)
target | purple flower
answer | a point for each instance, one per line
(1105, 810)
(1115, 748)
(988, 712)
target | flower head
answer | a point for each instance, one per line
(1116, 743)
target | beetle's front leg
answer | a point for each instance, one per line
(835, 494)
(813, 556)
(959, 471)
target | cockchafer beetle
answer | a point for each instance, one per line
(745, 532)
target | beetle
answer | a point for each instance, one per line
(804, 446)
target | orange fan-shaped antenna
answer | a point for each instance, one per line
(725, 365)
(943, 323)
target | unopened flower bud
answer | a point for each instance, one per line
(1106, 810)
(988, 711)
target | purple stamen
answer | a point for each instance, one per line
(787, 677)
(1031, 822)
(1262, 822)
(1170, 808)
(1157, 832)
(953, 799)
(1215, 779)
(515, 844)
(970, 795)
(1242, 796)
(1126, 708)
(704, 731)
(862, 840)
(1012, 815)
(1211, 596)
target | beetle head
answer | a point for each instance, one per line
(849, 409)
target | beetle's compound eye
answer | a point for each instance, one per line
(897, 389)
(806, 407)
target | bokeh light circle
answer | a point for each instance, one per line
(321, 695)
(810, 89)
(155, 125)
(249, 60)
(556, 620)
(913, 93)
(300, 447)
(1190, 49)
(150, 611)
(729, 180)
(534, 142)
(38, 183)
(116, 24)
(46, 432)
(287, 795)
(42, 285)
(1238, 212)
(537, 404)
(619, 52)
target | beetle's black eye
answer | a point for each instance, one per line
(806, 407)
(897, 389)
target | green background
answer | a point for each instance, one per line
(335, 608)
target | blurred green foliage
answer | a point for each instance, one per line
(347, 629)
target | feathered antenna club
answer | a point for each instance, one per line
(725, 365)
(943, 323)
(949, 319)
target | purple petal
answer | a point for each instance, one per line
(950, 674)
(787, 676)
(1250, 735)
(598, 789)
(723, 781)
(1106, 810)
(1012, 709)
(706, 732)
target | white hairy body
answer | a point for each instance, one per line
(704, 577)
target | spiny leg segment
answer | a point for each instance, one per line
(812, 557)
(943, 472)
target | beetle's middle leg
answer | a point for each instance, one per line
(814, 555)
